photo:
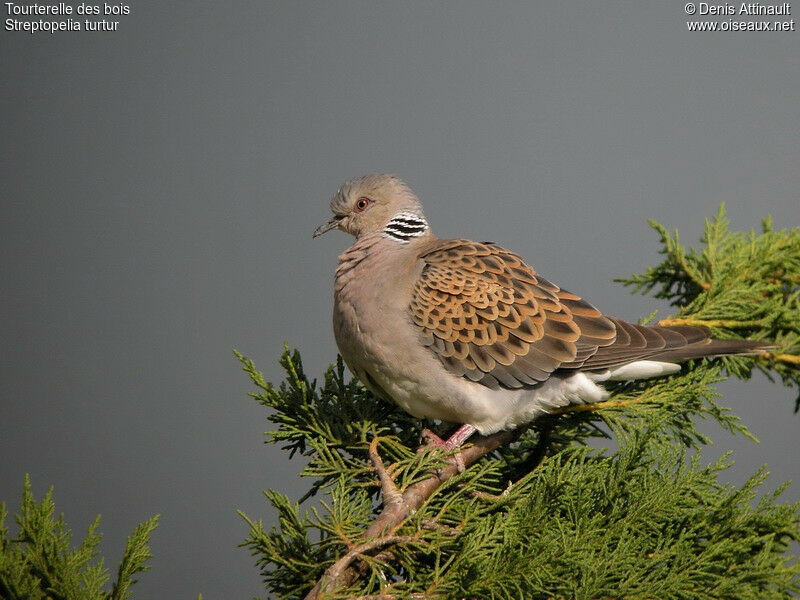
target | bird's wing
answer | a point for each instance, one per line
(489, 317)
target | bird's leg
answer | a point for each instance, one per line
(461, 435)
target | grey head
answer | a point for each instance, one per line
(373, 203)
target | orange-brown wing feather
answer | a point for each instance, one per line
(489, 317)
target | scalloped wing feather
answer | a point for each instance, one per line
(489, 317)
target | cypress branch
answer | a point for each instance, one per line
(739, 286)
(39, 563)
(540, 513)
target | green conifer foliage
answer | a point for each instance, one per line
(739, 286)
(38, 563)
(544, 515)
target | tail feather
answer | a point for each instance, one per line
(712, 347)
(667, 344)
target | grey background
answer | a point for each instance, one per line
(160, 185)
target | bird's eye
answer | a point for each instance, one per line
(362, 204)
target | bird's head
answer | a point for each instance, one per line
(367, 204)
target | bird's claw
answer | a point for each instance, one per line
(434, 441)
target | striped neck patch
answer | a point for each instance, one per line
(405, 226)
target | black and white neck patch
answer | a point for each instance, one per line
(405, 226)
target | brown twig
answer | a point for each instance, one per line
(727, 323)
(393, 596)
(594, 406)
(397, 507)
(389, 491)
(788, 358)
(491, 498)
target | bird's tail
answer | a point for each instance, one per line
(710, 347)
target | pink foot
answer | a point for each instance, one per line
(454, 442)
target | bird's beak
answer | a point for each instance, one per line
(332, 223)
